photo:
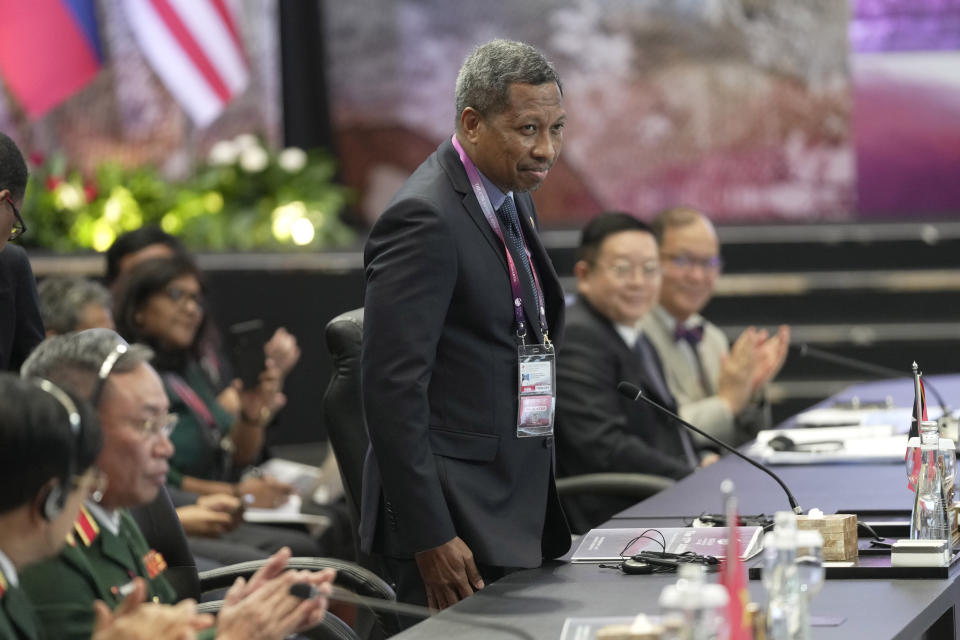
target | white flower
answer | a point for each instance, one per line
(68, 196)
(246, 141)
(223, 153)
(302, 232)
(284, 216)
(254, 159)
(292, 159)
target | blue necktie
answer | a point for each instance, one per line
(514, 237)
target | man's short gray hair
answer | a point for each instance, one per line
(73, 361)
(62, 300)
(486, 75)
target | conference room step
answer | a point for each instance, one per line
(822, 246)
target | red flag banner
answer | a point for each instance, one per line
(733, 576)
(49, 50)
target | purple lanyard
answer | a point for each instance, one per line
(474, 175)
(193, 401)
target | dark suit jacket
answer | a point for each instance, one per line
(439, 369)
(598, 429)
(21, 328)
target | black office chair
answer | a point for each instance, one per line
(636, 486)
(346, 428)
(161, 527)
(342, 411)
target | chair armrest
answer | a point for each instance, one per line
(631, 485)
(349, 575)
(330, 628)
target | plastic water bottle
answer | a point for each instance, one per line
(693, 607)
(810, 575)
(780, 578)
(929, 520)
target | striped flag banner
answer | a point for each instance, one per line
(195, 49)
(49, 50)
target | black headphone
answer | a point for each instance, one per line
(57, 497)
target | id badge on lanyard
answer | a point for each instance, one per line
(536, 363)
(537, 390)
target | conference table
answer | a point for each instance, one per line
(535, 603)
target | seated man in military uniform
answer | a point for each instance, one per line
(48, 442)
(109, 550)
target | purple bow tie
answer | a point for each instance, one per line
(693, 335)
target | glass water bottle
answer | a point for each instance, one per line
(929, 520)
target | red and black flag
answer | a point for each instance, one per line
(912, 456)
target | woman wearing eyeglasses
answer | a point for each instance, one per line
(161, 303)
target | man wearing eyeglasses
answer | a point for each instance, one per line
(719, 387)
(598, 430)
(110, 550)
(48, 443)
(21, 328)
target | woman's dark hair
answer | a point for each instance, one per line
(36, 440)
(144, 281)
(133, 241)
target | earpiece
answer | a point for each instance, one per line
(634, 566)
(782, 443)
(55, 501)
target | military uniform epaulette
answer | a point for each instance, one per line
(86, 527)
(3, 583)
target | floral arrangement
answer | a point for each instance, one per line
(242, 197)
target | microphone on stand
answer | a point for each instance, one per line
(806, 351)
(305, 591)
(634, 392)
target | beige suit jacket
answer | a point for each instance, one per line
(704, 410)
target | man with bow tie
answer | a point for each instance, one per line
(719, 387)
(598, 429)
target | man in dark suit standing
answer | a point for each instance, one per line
(458, 287)
(21, 328)
(599, 430)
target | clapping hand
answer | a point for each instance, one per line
(134, 620)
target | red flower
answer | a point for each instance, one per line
(53, 182)
(37, 158)
(90, 191)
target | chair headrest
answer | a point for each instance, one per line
(344, 333)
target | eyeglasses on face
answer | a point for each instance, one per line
(19, 226)
(684, 261)
(180, 296)
(161, 425)
(624, 269)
